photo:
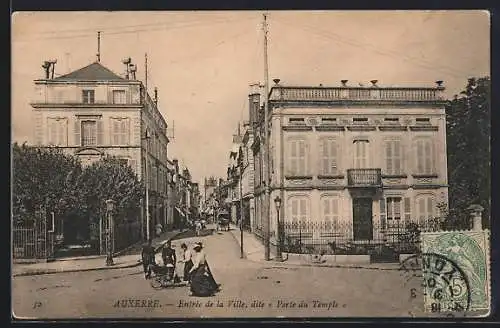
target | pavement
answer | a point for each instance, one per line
(128, 259)
(253, 250)
(249, 289)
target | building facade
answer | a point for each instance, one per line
(93, 112)
(350, 164)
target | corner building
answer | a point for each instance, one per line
(351, 164)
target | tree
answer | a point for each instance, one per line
(43, 177)
(468, 146)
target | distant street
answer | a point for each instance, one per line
(274, 291)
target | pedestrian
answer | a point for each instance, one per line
(169, 259)
(198, 227)
(200, 281)
(210, 276)
(159, 229)
(148, 258)
(188, 262)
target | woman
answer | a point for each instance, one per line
(201, 284)
(188, 262)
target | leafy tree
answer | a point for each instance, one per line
(43, 177)
(468, 144)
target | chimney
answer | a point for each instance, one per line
(49, 67)
(439, 84)
(254, 104)
(46, 68)
(374, 83)
(276, 81)
(133, 69)
(344, 82)
(127, 62)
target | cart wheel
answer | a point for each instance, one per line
(156, 283)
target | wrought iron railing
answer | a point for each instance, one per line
(343, 238)
(364, 177)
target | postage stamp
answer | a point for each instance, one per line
(456, 270)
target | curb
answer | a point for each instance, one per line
(124, 266)
(318, 265)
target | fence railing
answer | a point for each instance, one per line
(364, 177)
(328, 237)
(32, 239)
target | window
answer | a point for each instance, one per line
(329, 157)
(425, 208)
(297, 157)
(119, 97)
(88, 96)
(296, 120)
(360, 120)
(393, 157)
(361, 154)
(424, 156)
(423, 120)
(391, 119)
(89, 133)
(328, 120)
(120, 131)
(57, 131)
(299, 210)
(330, 211)
(393, 208)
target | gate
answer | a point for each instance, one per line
(33, 238)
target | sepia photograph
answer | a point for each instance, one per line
(250, 164)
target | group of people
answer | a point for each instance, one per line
(196, 273)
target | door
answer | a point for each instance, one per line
(362, 219)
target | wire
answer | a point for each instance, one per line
(163, 28)
(394, 54)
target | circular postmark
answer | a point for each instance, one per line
(439, 282)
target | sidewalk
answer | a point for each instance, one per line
(130, 258)
(254, 251)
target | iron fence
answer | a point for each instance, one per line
(342, 238)
(33, 238)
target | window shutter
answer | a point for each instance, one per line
(428, 157)
(382, 213)
(77, 135)
(388, 153)
(421, 210)
(407, 208)
(397, 157)
(430, 207)
(335, 210)
(420, 157)
(333, 157)
(100, 140)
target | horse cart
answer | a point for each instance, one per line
(223, 220)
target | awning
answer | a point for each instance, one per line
(180, 211)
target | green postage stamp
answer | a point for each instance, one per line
(456, 271)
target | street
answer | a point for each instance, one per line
(249, 289)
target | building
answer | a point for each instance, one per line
(93, 112)
(351, 165)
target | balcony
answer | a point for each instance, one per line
(364, 178)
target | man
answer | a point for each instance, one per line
(148, 258)
(168, 254)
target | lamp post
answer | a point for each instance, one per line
(146, 171)
(110, 206)
(277, 203)
(241, 211)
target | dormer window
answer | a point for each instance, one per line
(296, 120)
(391, 119)
(423, 120)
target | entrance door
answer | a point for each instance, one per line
(362, 219)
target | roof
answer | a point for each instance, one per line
(92, 72)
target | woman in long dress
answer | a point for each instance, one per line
(201, 284)
(188, 262)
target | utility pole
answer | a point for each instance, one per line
(146, 72)
(146, 171)
(267, 170)
(99, 46)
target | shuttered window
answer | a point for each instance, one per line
(120, 131)
(89, 133)
(299, 210)
(57, 131)
(330, 211)
(393, 157)
(361, 154)
(329, 156)
(297, 157)
(425, 208)
(424, 156)
(119, 97)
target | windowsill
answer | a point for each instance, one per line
(431, 175)
(298, 177)
(327, 176)
(393, 176)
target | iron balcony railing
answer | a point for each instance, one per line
(364, 177)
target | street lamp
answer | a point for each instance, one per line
(110, 206)
(277, 203)
(146, 171)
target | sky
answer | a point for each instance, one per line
(203, 62)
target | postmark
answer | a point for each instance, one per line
(469, 250)
(442, 284)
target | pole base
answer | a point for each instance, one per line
(109, 261)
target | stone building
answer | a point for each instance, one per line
(93, 112)
(350, 163)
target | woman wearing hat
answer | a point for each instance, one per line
(201, 278)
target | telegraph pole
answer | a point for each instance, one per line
(99, 46)
(267, 161)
